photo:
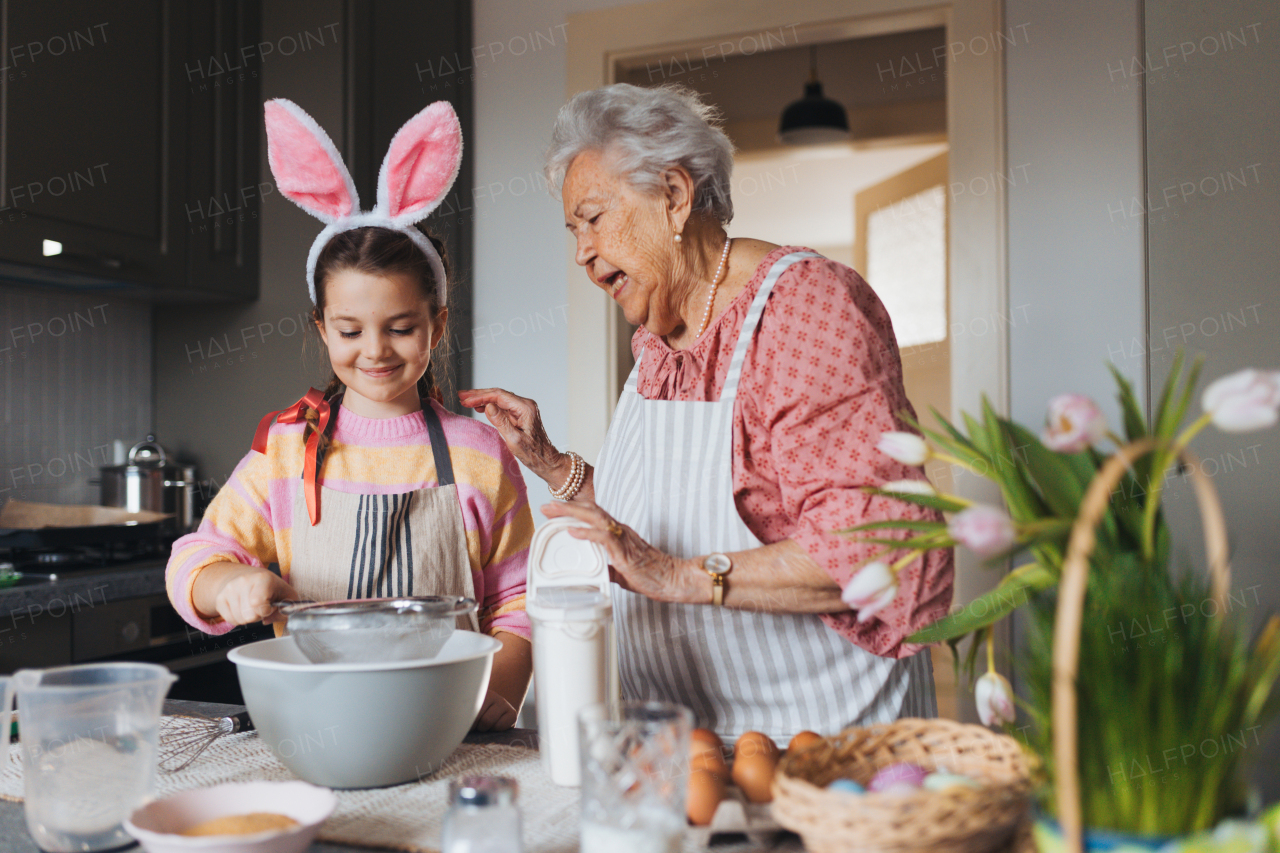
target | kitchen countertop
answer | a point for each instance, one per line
(14, 837)
(81, 588)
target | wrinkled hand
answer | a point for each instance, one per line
(496, 714)
(519, 423)
(634, 564)
(246, 596)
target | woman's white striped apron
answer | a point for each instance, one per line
(666, 469)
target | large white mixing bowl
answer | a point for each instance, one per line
(364, 725)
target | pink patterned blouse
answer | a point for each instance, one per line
(821, 382)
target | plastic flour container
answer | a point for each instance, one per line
(568, 601)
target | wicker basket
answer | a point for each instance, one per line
(957, 820)
(1070, 613)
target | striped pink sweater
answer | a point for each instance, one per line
(249, 520)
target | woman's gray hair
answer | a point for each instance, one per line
(647, 131)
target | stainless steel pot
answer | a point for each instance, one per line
(149, 482)
(180, 494)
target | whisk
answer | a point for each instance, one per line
(184, 738)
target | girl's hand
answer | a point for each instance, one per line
(634, 564)
(496, 714)
(245, 594)
(520, 425)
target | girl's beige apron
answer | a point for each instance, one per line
(666, 469)
(382, 546)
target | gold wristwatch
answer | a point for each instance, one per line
(718, 566)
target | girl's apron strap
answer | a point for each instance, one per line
(313, 399)
(439, 446)
(749, 323)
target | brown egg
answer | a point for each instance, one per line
(754, 775)
(712, 761)
(700, 739)
(706, 790)
(802, 740)
(755, 743)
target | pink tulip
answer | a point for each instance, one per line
(983, 529)
(1073, 423)
(994, 697)
(905, 447)
(870, 590)
(1243, 401)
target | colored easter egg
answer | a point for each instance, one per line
(943, 781)
(910, 775)
(847, 785)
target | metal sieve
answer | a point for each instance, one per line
(374, 630)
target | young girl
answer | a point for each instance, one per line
(369, 489)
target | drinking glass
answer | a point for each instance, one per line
(635, 771)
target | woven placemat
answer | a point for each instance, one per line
(404, 817)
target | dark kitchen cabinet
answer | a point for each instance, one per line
(396, 49)
(222, 207)
(32, 637)
(123, 140)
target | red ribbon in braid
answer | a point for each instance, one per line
(313, 399)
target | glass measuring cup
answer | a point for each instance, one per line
(88, 742)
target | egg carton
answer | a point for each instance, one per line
(736, 814)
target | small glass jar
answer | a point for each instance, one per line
(483, 816)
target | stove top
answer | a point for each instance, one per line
(61, 551)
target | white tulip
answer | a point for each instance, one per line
(908, 487)
(1243, 401)
(993, 695)
(870, 590)
(905, 447)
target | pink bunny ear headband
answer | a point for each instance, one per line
(417, 173)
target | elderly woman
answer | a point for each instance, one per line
(764, 376)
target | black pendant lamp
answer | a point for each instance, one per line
(814, 118)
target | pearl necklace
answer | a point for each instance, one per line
(715, 283)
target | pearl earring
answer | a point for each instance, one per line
(678, 237)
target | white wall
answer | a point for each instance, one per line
(1103, 183)
(520, 302)
(1211, 211)
(1075, 275)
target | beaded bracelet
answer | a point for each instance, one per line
(577, 473)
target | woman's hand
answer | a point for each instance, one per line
(634, 564)
(240, 594)
(520, 425)
(776, 578)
